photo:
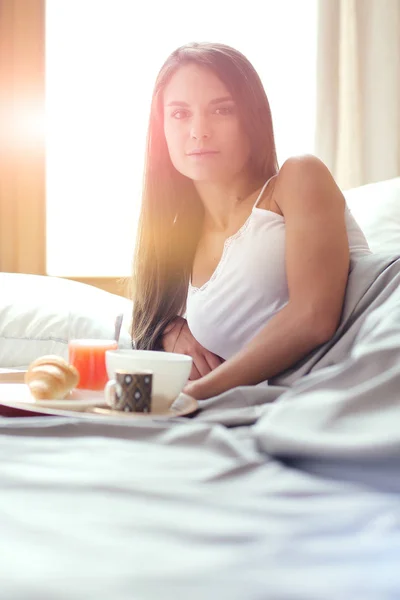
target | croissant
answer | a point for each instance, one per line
(51, 378)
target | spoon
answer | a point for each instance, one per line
(117, 327)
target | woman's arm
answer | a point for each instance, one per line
(317, 266)
(178, 338)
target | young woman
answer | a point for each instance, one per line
(239, 264)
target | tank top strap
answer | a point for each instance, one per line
(264, 187)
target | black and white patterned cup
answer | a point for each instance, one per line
(130, 392)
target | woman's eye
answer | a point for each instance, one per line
(224, 110)
(179, 114)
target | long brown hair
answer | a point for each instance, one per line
(172, 213)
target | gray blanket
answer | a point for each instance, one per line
(298, 498)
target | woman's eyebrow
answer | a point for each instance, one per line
(214, 101)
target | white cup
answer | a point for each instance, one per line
(170, 372)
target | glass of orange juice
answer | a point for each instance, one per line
(88, 356)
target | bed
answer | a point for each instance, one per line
(286, 491)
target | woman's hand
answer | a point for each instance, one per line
(196, 390)
(213, 384)
(178, 338)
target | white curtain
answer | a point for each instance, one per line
(358, 89)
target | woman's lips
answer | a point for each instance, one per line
(197, 153)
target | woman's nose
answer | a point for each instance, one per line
(200, 129)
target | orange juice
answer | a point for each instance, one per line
(89, 357)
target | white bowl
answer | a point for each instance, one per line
(170, 371)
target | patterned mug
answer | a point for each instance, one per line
(130, 392)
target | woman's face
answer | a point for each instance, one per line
(201, 116)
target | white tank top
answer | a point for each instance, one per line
(249, 285)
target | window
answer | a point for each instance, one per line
(102, 58)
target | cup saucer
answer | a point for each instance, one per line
(16, 400)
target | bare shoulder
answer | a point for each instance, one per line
(305, 169)
(306, 179)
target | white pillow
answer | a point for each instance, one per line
(376, 208)
(39, 315)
